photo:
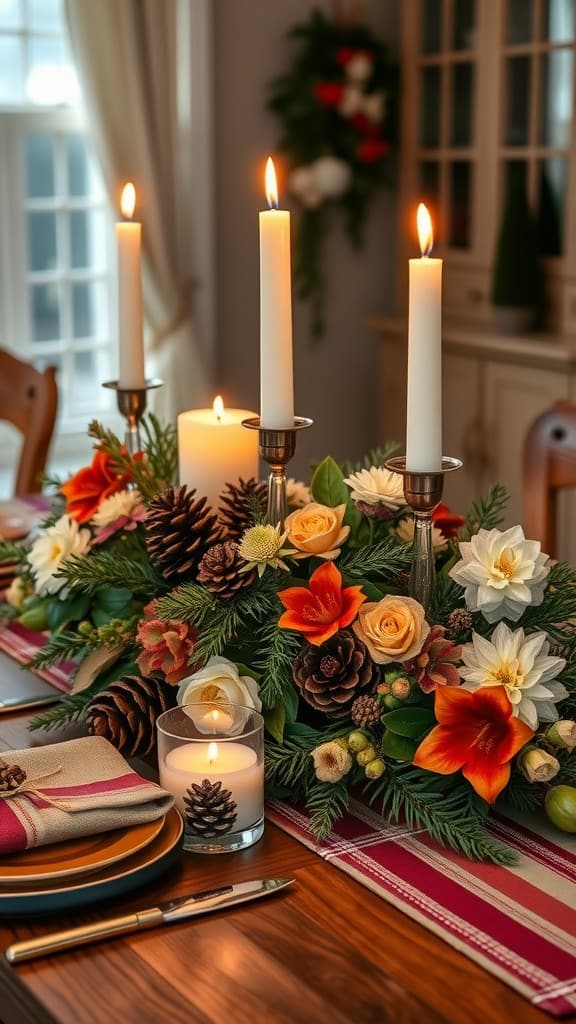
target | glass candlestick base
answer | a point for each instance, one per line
(132, 405)
(277, 446)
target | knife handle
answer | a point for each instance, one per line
(72, 937)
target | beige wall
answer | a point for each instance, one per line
(336, 378)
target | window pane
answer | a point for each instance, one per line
(518, 101)
(552, 191)
(87, 240)
(430, 107)
(88, 310)
(430, 184)
(431, 26)
(462, 92)
(10, 14)
(556, 110)
(520, 20)
(45, 312)
(460, 205)
(39, 160)
(82, 177)
(42, 241)
(10, 69)
(464, 25)
(559, 20)
(45, 14)
(51, 78)
(515, 176)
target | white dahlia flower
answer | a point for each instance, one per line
(377, 486)
(54, 546)
(115, 506)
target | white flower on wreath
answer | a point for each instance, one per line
(405, 533)
(374, 106)
(219, 682)
(351, 102)
(377, 486)
(52, 548)
(331, 761)
(297, 493)
(522, 666)
(359, 67)
(116, 506)
(502, 573)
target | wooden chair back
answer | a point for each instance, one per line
(549, 465)
(29, 401)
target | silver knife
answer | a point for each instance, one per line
(164, 913)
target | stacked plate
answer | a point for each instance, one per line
(17, 520)
(83, 871)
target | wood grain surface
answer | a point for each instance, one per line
(327, 951)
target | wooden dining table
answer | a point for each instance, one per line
(324, 950)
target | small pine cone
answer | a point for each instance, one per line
(329, 676)
(11, 776)
(235, 509)
(459, 622)
(219, 570)
(366, 712)
(210, 810)
(126, 712)
(179, 529)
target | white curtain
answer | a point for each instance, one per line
(127, 55)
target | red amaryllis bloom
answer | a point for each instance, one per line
(435, 665)
(364, 126)
(344, 56)
(372, 150)
(476, 732)
(86, 489)
(328, 93)
(322, 608)
(167, 646)
(446, 521)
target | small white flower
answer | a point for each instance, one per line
(405, 533)
(297, 493)
(359, 67)
(377, 486)
(54, 546)
(374, 106)
(502, 573)
(331, 761)
(351, 102)
(522, 666)
(116, 505)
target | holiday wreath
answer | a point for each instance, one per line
(161, 599)
(337, 113)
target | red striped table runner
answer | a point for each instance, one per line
(22, 645)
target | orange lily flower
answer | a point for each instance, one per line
(476, 732)
(90, 485)
(322, 608)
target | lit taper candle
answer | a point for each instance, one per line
(424, 402)
(276, 371)
(130, 339)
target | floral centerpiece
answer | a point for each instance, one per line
(432, 718)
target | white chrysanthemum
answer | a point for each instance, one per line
(297, 493)
(331, 761)
(377, 486)
(522, 666)
(116, 505)
(502, 573)
(52, 548)
(263, 545)
(405, 533)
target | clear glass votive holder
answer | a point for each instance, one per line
(211, 757)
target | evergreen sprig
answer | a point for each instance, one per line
(327, 802)
(557, 613)
(70, 709)
(289, 766)
(63, 646)
(110, 568)
(276, 650)
(487, 513)
(151, 474)
(381, 561)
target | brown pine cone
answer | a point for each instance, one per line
(11, 776)
(235, 509)
(219, 570)
(329, 676)
(179, 529)
(126, 712)
(366, 712)
(210, 810)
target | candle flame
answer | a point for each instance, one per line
(212, 752)
(128, 200)
(271, 186)
(218, 406)
(425, 235)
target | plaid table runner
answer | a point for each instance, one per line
(518, 923)
(21, 645)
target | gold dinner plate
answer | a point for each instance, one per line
(112, 881)
(76, 856)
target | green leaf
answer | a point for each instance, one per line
(328, 487)
(409, 722)
(275, 720)
(113, 599)
(290, 698)
(35, 614)
(71, 609)
(399, 747)
(245, 670)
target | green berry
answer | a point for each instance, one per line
(357, 741)
(560, 804)
(366, 755)
(375, 769)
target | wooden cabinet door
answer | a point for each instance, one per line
(462, 428)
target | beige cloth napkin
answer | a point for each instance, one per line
(76, 788)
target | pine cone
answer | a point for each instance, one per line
(179, 529)
(328, 676)
(219, 570)
(210, 810)
(235, 508)
(366, 712)
(126, 712)
(11, 776)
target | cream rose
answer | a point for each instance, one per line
(219, 682)
(316, 530)
(393, 629)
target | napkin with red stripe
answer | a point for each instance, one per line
(67, 790)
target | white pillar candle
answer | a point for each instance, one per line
(235, 765)
(215, 449)
(276, 370)
(130, 338)
(424, 402)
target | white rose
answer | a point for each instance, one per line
(219, 682)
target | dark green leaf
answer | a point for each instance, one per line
(410, 722)
(275, 720)
(399, 747)
(328, 487)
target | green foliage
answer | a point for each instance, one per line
(152, 474)
(487, 513)
(382, 561)
(289, 766)
(70, 709)
(557, 613)
(398, 747)
(328, 485)
(410, 722)
(375, 457)
(274, 657)
(111, 568)
(326, 803)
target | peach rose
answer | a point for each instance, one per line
(316, 530)
(393, 629)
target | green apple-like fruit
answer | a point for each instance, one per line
(560, 804)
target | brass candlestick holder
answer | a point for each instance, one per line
(423, 492)
(277, 446)
(132, 405)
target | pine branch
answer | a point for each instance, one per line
(486, 513)
(188, 603)
(65, 646)
(521, 795)
(557, 612)
(327, 802)
(109, 568)
(161, 447)
(70, 709)
(383, 560)
(10, 552)
(276, 650)
(152, 474)
(289, 766)
(256, 513)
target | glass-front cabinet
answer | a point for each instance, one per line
(488, 103)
